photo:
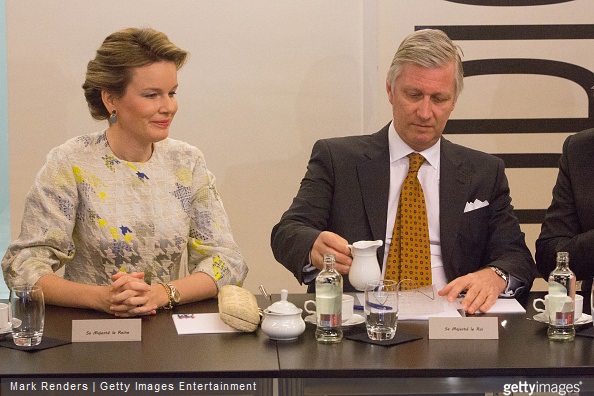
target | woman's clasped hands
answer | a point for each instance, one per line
(130, 295)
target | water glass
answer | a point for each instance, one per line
(28, 314)
(5, 317)
(381, 309)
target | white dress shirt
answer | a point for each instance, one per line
(429, 178)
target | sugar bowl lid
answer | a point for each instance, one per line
(283, 307)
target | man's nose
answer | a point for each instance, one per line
(424, 109)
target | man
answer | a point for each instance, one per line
(352, 186)
(569, 222)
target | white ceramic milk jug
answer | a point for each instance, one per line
(365, 266)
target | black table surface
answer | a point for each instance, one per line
(522, 349)
(161, 352)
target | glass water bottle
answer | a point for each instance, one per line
(561, 302)
(329, 303)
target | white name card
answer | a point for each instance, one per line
(101, 330)
(468, 328)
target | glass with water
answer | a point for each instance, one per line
(381, 309)
(28, 314)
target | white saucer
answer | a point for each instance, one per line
(8, 329)
(354, 320)
(541, 317)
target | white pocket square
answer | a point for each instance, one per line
(477, 204)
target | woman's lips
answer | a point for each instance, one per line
(162, 124)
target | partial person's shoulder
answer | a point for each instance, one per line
(470, 154)
(583, 139)
(347, 140)
(80, 144)
(356, 143)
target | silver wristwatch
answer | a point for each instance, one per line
(501, 274)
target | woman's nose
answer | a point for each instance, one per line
(169, 105)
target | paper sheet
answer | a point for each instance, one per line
(507, 305)
(201, 324)
(421, 304)
(418, 306)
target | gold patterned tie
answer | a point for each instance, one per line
(410, 253)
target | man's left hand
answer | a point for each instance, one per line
(482, 290)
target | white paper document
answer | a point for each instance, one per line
(204, 323)
(424, 303)
(507, 305)
(421, 304)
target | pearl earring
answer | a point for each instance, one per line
(113, 118)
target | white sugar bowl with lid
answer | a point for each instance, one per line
(282, 320)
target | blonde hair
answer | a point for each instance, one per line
(429, 48)
(120, 53)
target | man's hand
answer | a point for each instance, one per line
(482, 290)
(329, 242)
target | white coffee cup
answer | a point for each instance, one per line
(348, 303)
(4, 315)
(578, 307)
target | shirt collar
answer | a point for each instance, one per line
(399, 149)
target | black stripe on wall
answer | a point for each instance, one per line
(530, 160)
(509, 3)
(515, 32)
(523, 125)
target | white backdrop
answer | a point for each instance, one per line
(4, 183)
(266, 79)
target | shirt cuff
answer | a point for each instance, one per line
(513, 288)
(309, 272)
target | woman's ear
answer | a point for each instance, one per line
(108, 100)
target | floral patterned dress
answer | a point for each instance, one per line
(95, 214)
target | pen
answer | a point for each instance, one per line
(373, 305)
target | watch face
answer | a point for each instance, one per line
(174, 294)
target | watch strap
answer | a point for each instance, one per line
(169, 295)
(503, 275)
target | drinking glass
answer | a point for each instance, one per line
(381, 309)
(28, 314)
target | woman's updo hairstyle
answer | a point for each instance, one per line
(120, 53)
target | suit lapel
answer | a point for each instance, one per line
(374, 179)
(453, 192)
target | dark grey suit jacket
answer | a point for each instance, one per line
(569, 222)
(346, 187)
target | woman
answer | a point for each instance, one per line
(126, 209)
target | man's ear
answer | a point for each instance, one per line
(389, 91)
